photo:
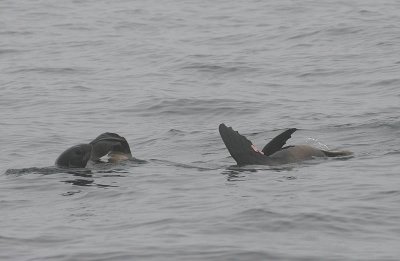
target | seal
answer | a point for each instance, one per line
(111, 145)
(75, 157)
(245, 153)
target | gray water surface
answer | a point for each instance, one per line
(164, 75)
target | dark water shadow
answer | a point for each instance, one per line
(83, 177)
(239, 173)
(90, 176)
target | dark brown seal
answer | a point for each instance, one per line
(245, 153)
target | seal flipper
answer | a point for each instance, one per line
(240, 148)
(277, 143)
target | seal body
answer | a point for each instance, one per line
(295, 154)
(75, 157)
(245, 153)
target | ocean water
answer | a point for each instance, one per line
(164, 75)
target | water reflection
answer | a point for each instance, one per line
(88, 179)
(82, 177)
(80, 182)
(232, 175)
(236, 173)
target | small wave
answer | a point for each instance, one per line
(390, 123)
(37, 240)
(53, 70)
(196, 107)
(304, 35)
(386, 82)
(81, 88)
(320, 72)
(160, 222)
(46, 171)
(15, 33)
(9, 51)
(175, 132)
(181, 165)
(394, 152)
(340, 31)
(218, 69)
(257, 213)
(90, 43)
(73, 26)
(324, 222)
(30, 171)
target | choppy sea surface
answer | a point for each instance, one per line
(164, 75)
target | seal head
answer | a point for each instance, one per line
(111, 145)
(75, 157)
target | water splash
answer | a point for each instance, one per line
(316, 143)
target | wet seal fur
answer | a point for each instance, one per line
(75, 157)
(111, 145)
(245, 153)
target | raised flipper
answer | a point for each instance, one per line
(109, 142)
(277, 143)
(240, 148)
